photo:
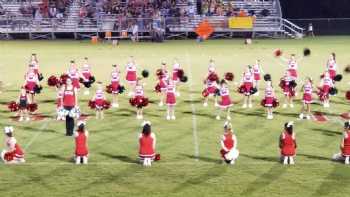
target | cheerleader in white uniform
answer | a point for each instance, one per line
(225, 102)
(307, 99)
(115, 82)
(131, 75)
(332, 66)
(211, 84)
(99, 100)
(247, 84)
(170, 100)
(229, 152)
(86, 74)
(13, 153)
(258, 72)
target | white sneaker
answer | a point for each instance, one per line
(173, 117)
(27, 119)
(232, 162)
(269, 117)
(218, 117)
(308, 117)
(216, 105)
(205, 104)
(131, 94)
(301, 116)
(347, 161)
(20, 119)
(160, 104)
(138, 117)
(86, 92)
(177, 94)
(284, 106)
(285, 161)
(250, 105)
(291, 160)
(326, 105)
(115, 105)
(244, 106)
(256, 94)
(291, 105)
(168, 117)
(228, 117)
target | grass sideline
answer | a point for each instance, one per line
(183, 170)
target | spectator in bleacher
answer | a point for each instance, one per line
(242, 13)
(52, 11)
(2, 10)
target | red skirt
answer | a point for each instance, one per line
(81, 151)
(287, 91)
(87, 76)
(293, 73)
(131, 76)
(345, 151)
(75, 83)
(115, 87)
(170, 99)
(162, 85)
(288, 151)
(99, 103)
(257, 76)
(332, 73)
(247, 87)
(175, 77)
(307, 98)
(269, 101)
(30, 86)
(211, 90)
(225, 102)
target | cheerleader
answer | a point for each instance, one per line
(81, 144)
(147, 144)
(31, 83)
(247, 83)
(13, 153)
(211, 84)
(86, 74)
(175, 74)
(115, 78)
(269, 99)
(170, 99)
(292, 67)
(229, 152)
(70, 103)
(332, 66)
(325, 85)
(288, 144)
(59, 104)
(23, 103)
(163, 77)
(307, 99)
(99, 100)
(288, 87)
(131, 75)
(225, 102)
(139, 98)
(74, 75)
(34, 63)
(257, 71)
(344, 154)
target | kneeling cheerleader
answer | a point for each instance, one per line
(225, 102)
(229, 151)
(147, 144)
(171, 99)
(139, 100)
(288, 144)
(81, 144)
(99, 102)
(344, 154)
(270, 101)
(307, 99)
(13, 153)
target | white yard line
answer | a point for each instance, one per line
(194, 117)
(41, 129)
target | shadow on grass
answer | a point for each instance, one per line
(122, 158)
(315, 157)
(53, 157)
(328, 132)
(261, 158)
(204, 159)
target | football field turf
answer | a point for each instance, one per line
(190, 162)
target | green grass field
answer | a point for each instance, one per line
(113, 168)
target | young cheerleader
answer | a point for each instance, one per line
(344, 154)
(257, 71)
(288, 144)
(74, 75)
(229, 152)
(81, 144)
(292, 67)
(34, 62)
(247, 83)
(139, 100)
(131, 75)
(269, 99)
(307, 99)
(225, 102)
(99, 99)
(325, 85)
(175, 74)
(31, 82)
(86, 74)
(288, 86)
(163, 77)
(115, 77)
(70, 103)
(147, 144)
(23, 104)
(332, 66)
(13, 153)
(170, 99)
(211, 84)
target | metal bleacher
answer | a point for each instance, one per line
(273, 25)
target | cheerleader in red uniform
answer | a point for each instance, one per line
(99, 100)
(81, 144)
(13, 153)
(229, 152)
(247, 83)
(269, 99)
(163, 78)
(344, 154)
(288, 87)
(175, 75)
(325, 85)
(74, 75)
(288, 144)
(31, 82)
(332, 66)
(307, 99)
(147, 144)
(70, 104)
(211, 84)
(131, 75)
(171, 99)
(23, 103)
(115, 82)
(225, 102)
(86, 74)
(257, 71)
(139, 97)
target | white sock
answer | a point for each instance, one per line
(77, 160)
(85, 160)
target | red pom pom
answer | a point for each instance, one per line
(157, 157)
(106, 104)
(109, 89)
(282, 83)
(229, 76)
(52, 81)
(32, 107)
(132, 102)
(92, 104)
(347, 95)
(9, 156)
(145, 102)
(157, 88)
(262, 103)
(180, 73)
(275, 103)
(63, 79)
(13, 106)
(205, 93)
(278, 52)
(241, 89)
(213, 77)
